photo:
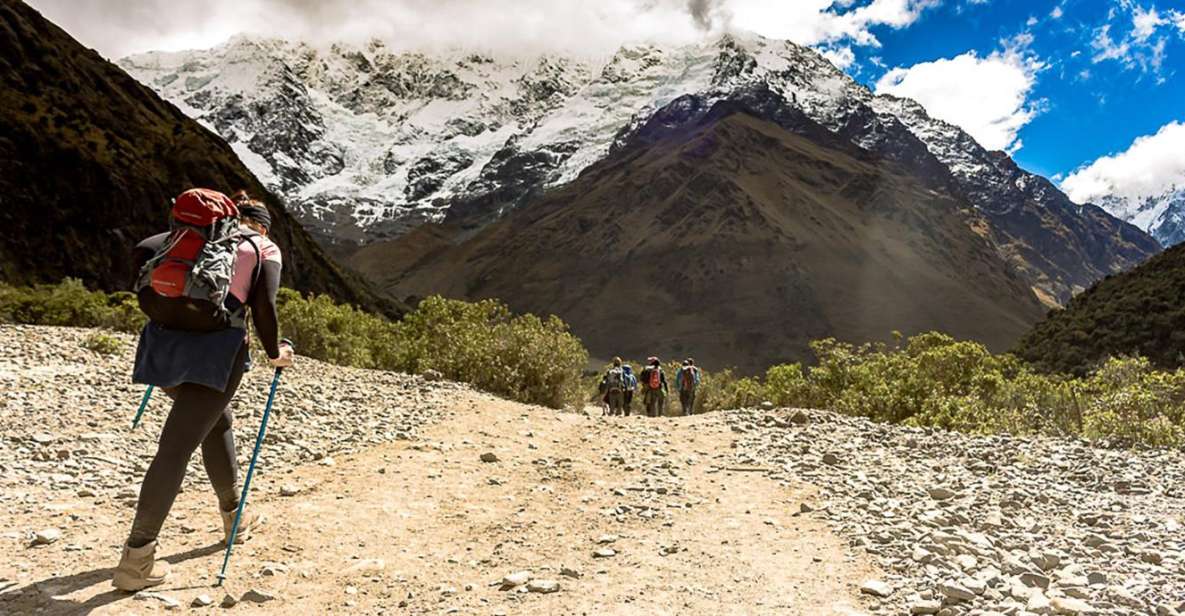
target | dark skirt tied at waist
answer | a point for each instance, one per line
(169, 357)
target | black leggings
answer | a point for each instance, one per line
(200, 416)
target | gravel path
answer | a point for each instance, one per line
(385, 493)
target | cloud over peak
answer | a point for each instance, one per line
(987, 96)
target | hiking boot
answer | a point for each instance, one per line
(138, 568)
(250, 522)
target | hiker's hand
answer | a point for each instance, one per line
(286, 358)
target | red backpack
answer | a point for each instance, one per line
(185, 284)
(655, 378)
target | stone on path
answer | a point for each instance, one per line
(255, 595)
(941, 493)
(46, 536)
(169, 602)
(516, 579)
(1070, 605)
(876, 588)
(543, 586)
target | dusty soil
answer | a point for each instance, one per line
(425, 526)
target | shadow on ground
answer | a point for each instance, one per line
(50, 595)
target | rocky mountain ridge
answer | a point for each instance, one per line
(737, 231)
(366, 142)
(1161, 215)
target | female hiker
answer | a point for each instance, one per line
(200, 369)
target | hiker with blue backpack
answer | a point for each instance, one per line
(631, 386)
(199, 284)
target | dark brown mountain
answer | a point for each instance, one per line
(89, 159)
(1139, 312)
(734, 239)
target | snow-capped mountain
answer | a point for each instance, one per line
(365, 142)
(1162, 215)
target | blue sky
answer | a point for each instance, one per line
(1089, 104)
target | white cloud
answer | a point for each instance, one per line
(1142, 46)
(1031, 21)
(1057, 12)
(986, 96)
(1178, 18)
(1145, 22)
(119, 27)
(1150, 166)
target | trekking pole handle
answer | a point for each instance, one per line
(287, 341)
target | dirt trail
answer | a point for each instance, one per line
(692, 537)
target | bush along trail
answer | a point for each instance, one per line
(389, 493)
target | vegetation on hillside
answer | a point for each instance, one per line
(926, 380)
(1140, 312)
(934, 380)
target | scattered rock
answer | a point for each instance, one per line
(516, 579)
(941, 493)
(255, 595)
(543, 586)
(46, 536)
(604, 553)
(876, 588)
(489, 457)
(169, 602)
(228, 601)
(202, 601)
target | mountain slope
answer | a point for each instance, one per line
(1161, 215)
(366, 142)
(1137, 312)
(734, 239)
(89, 159)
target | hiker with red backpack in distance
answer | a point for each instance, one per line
(654, 387)
(615, 384)
(197, 284)
(687, 382)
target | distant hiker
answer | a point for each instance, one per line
(615, 384)
(687, 382)
(631, 385)
(197, 283)
(654, 387)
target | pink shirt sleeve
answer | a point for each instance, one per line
(241, 279)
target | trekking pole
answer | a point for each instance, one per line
(143, 405)
(234, 529)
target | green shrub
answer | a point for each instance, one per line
(69, 303)
(522, 357)
(103, 344)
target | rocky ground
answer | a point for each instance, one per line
(987, 525)
(387, 493)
